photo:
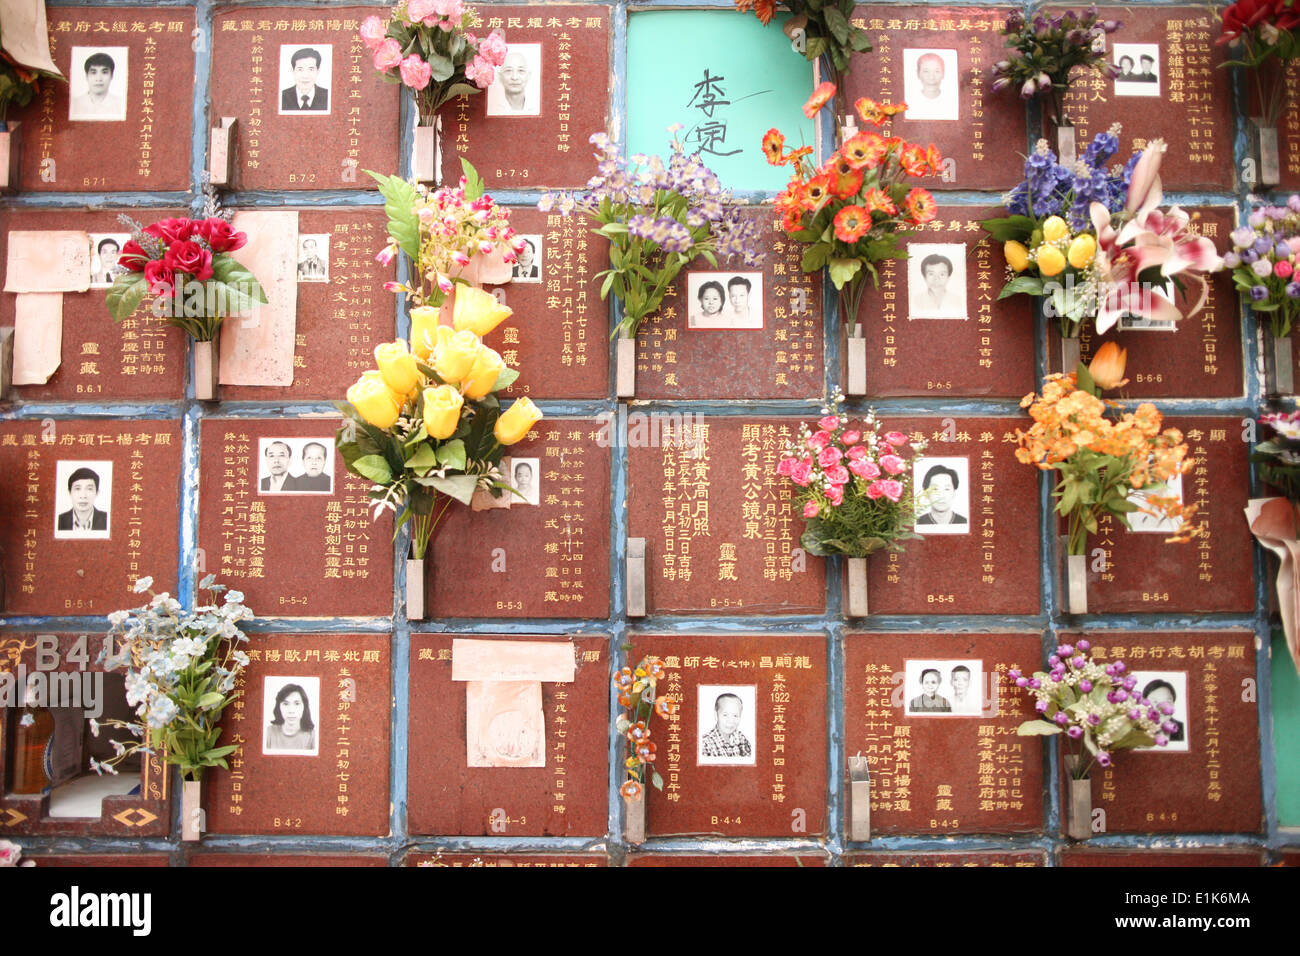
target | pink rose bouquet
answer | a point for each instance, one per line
(425, 46)
(853, 484)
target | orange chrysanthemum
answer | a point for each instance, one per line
(878, 201)
(864, 150)
(773, 146)
(852, 223)
(876, 113)
(920, 205)
(820, 97)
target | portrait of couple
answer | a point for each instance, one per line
(296, 466)
(725, 300)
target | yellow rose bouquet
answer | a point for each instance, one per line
(427, 424)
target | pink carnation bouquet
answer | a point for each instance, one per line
(425, 46)
(853, 483)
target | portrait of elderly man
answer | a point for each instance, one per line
(517, 88)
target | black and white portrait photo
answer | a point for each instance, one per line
(1139, 69)
(944, 688)
(942, 490)
(97, 83)
(305, 78)
(104, 250)
(525, 478)
(724, 300)
(1160, 688)
(936, 280)
(314, 258)
(1144, 522)
(529, 266)
(517, 88)
(83, 499)
(302, 466)
(930, 84)
(727, 725)
(1144, 323)
(290, 710)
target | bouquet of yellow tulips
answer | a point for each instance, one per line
(426, 424)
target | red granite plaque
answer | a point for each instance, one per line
(1209, 780)
(505, 859)
(342, 316)
(82, 860)
(1200, 358)
(78, 546)
(559, 790)
(730, 859)
(747, 781)
(980, 133)
(548, 559)
(1212, 572)
(542, 140)
(1288, 126)
(286, 859)
(947, 759)
(985, 564)
(124, 137)
(330, 778)
(63, 670)
(260, 508)
(972, 858)
(721, 533)
(1178, 93)
(1088, 856)
(736, 331)
(348, 125)
(558, 336)
(138, 359)
(935, 328)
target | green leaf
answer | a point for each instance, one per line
(374, 467)
(474, 186)
(220, 752)
(1037, 728)
(1018, 228)
(210, 700)
(1085, 381)
(657, 780)
(425, 457)
(838, 24)
(226, 270)
(126, 295)
(843, 270)
(451, 454)
(505, 379)
(443, 68)
(460, 487)
(816, 256)
(399, 205)
(1022, 285)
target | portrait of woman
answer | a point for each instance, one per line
(291, 728)
(708, 310)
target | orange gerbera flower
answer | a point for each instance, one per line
(879, 201)
(798, 154)
(935, 160)
(817, 190)
(792, 221)
(763, 9)
(852, 223)
(846, 179)
(914, 160)
(876, 113)
(773, 146)
(864, 149)
(819, 98)
(920, 205)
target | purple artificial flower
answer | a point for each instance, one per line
(1061, 718)
(1293, 203)
(1166, 708)
(1110, 669)
(1120, 696)
(1013, 673)
(1042, 706)
(1293, 290)
(1256, 219)
(1022, 682)
(1065, 650)
(1094, 719)
(1231, 260)
(1263, 245)
(1248, 256)
(1074, 733)
(1242, 237)
(1169, 727)
(1054, 660)
(1129, 683)
(1282, 250)
(1083, 646)
(1078, 661)
(1119, 667)
(1161, 740)
(1035, 683)
(1113, 696)
(1262, 267)
(1258, 293)
(1103, 759)
(1134, 714)
(1085, 686)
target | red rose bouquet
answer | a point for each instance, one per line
(185, 264)
(1264, 30)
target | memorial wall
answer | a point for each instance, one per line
(632, 638)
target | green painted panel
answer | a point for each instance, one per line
(1286, 732)
(727, 79)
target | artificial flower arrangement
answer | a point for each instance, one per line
(187, 265)
(1103, 460)
(1264, 31)
(657, 218)
(1275, 522)
(854, 485)
(636, 695)
(425, 46)
(1045, 51)
(1098, 710)
(852, 211)
(1093, 242)
(1263, 260)
(827, 25)
(181, 667)
(1278, 458)
(19, 84)
(451, 235)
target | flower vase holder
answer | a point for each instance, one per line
(1066, 153)
(11, 150)
(206, 363)
(636, 590)
(1263, 142)
(1070, 353)
(856, 357)
(625, 377)
(415, 589)
(857, 595)
(634, 818)
(859, 800)
(1078, 811)
(1279, 366)
(1076, 581)
(191, 810)
(221, 152)
(426, 152)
